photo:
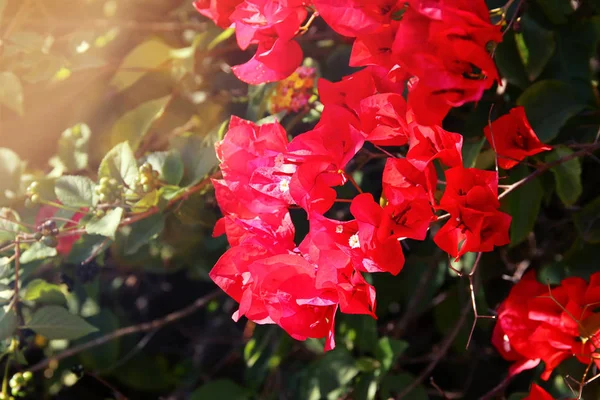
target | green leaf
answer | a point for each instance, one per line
(9, 224)
(567, 175)
(536, 45)
(523, 205)
(198, 160)
(87, 246)
(37, 251)
(134, 125)
(394, 384)
(104, 356)
(470, 152)
(11, 92)
(330, 376)
(11, 169)
(168, 164)
(388, 350)
(75, 191)
(587, 221)
(147, 56)
(220, 389)
(119, 163)
(556, 10)
(366, 386)
(549, 104)
(107, 225)
(42, 292)
(8, 323)
(54, 322)
(509, 61)
(142, 231)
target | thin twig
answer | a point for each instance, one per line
(143, 327)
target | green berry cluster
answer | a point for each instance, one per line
(146, 181)
(17, 383)
(32, 195)
(109, 190)
(46, 233)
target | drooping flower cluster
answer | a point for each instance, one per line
(537, 323)
(301, 287)
(440, 48)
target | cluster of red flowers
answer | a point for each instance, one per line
(537, 323)
(436, 50)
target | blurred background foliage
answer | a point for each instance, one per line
(78, 77)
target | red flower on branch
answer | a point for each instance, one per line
(538, 323)
(512, 138)
(475, 224)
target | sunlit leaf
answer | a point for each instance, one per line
(198, 160)
(106, 225)
(11, 92)
(549, 104)
(146, 56)
(55, 322)
(134, 125)
(75, 191)
(8, 323)
(168, 164)
(37, 251)
(42, 292)
(567, 175)
(120, 163)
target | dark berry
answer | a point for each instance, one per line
(87, 272)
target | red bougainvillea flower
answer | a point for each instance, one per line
(275, 288)
(538, 393)
(328, 235)
(443, 44)
(321, 155)
(402, 181)
(272, 25)
(383, 119)
(379, 231)
(471, 198)
(428, 143)
(217, 10)
(357, 17)
(375, 48)
(513, 139)
(65, 243)
(537, 323)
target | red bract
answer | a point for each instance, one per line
(271, 25)
(217, 10)
(328, 236)
(321, 156)
(379, 231)
(383, 119)
(513, 139)
(443, 44)
(375, 48)
(537, 323)
(475, 224)
(538, 393)
(357, 17)
(428, 143)
(402, 181)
